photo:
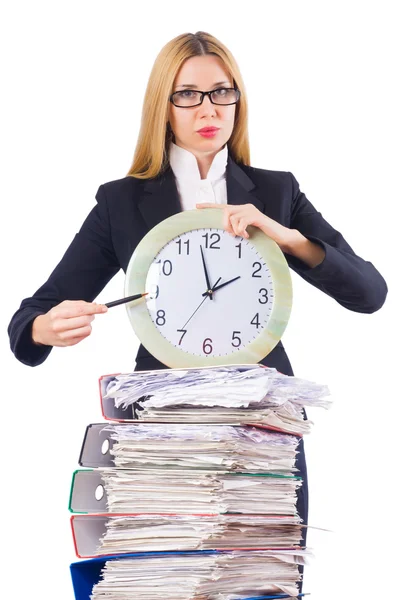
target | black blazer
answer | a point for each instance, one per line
(128, 208)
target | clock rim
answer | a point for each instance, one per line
(135, 283)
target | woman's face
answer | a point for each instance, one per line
(204, 73)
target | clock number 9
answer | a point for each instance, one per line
(154, 292)
(207, 348)
(160, 317)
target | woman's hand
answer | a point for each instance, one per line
(66, 324)
(237, 218)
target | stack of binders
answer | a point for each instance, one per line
(189, 489)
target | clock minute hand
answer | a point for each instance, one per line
(218, 287)
(198, 306)
(207, 279)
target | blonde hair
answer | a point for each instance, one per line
(151, 152)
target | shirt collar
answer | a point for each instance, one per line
(184, 164)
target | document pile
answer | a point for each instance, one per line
(236, 394)
(200, 576)
(195, 498)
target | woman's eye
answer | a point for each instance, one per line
(221, 92)
(188, 94)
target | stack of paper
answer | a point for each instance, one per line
(164, 445)
(144, 533)
(190, 492)
(201, 576)
(203, 483)
(216, 395)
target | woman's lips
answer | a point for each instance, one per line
(208, 132)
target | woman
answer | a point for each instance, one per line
(192, 152)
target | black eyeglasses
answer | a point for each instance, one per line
(220, 96)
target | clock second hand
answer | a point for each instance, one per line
(199, 306)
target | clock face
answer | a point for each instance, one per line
(216, 324)
(236, 318)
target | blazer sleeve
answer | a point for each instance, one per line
(86, 267)
(353, 282)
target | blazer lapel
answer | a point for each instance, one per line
(160, 198)
(240, 188)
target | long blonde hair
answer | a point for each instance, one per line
(151, 152)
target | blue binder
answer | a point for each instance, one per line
(86, 573)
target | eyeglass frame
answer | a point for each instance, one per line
(203, 94)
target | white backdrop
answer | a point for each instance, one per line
(321, 85)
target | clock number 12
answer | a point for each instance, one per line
(216, 239)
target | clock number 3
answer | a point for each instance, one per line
(264, 298)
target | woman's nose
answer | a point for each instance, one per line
(206, 106)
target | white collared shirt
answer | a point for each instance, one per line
(192, 189)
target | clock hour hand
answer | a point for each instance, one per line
(199, 306)
(207, 279)
(218, 287)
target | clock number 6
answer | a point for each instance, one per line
(207, 348)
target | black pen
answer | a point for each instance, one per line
(124, 300)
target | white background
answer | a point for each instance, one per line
(320, 79)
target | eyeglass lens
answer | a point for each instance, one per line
(193, 97)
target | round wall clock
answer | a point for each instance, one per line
(213, 298)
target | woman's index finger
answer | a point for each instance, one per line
(209, 205)
(80, 308)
